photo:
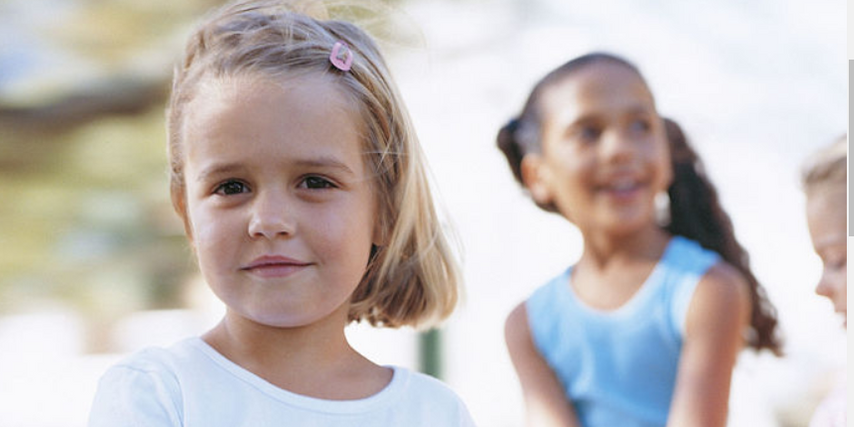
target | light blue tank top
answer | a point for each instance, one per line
(619, 367)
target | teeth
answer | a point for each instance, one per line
(623, 184)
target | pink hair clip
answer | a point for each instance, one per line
(341, 56)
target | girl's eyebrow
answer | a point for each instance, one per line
(326, 162)
(219, 169)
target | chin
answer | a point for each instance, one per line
(628, 224)
(292, 317)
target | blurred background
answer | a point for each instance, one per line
(94, 265)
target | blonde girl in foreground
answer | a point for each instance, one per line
(303, 193)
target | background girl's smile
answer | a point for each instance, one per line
(622, 188)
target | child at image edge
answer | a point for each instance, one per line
(644, 329)
(824, 180)
(303, 193)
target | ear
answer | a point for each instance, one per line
(179, 203)
(536, 178)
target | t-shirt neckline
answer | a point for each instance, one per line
(386, 396)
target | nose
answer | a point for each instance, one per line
(271, 217)
(824, 287)
(616, 146)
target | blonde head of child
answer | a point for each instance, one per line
(302, 188)
(825, 176)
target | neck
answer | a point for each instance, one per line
(253, 342)
(603, 249)
(304, 359)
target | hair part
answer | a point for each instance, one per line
(412, 278)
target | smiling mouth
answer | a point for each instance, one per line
(621, 187)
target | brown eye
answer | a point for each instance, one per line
(229, 188)
(640, 126)
(317, 183)
(589, 133)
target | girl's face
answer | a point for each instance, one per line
(604, 151)
(826, 221)
(278, 200)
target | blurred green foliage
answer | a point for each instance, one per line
(85, 213)
(86, 217)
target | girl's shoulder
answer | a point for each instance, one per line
(141, 389)
(686, 254)
(161, 360)
(427, 398)
(422, 383)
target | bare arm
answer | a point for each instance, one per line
(718, 313)
(545, 402)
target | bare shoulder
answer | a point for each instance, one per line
(722, 296)
(516, 330)
(724, 284)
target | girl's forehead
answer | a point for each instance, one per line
(254, 83)
(604, 86)
(249, 109)
(217, 95)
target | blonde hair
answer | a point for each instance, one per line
(412, 278)
(827, 166)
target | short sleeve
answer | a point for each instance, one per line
(428, 402)
(465, 417)
(132, 397)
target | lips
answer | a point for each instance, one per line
(621, 187)
(274, 266)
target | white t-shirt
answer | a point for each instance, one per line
(192, 385)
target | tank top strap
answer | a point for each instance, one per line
(683, 270)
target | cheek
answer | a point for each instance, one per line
(571, 172)
(345, 233)
(659, 156)
(842, 285)
(213, 235)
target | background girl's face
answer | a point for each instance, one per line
(279, 202)
(604, 151)
(826, 220)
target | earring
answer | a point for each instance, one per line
(662, 209)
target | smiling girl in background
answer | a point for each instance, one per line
(644, 329)
(304, 196)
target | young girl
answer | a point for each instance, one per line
(303, 194)
(824, 180)
(644, 329)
